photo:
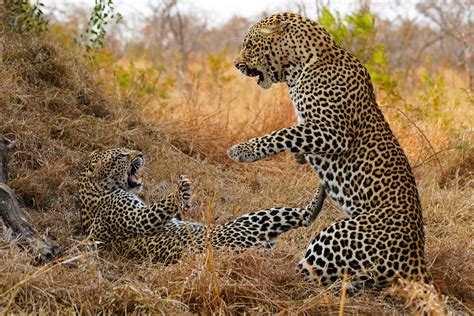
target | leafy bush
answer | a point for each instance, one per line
(144, 82)
(23, 17)
(94, 35)
(434, 94)
(219, 65)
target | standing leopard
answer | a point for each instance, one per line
(112, 213)
(342, 133)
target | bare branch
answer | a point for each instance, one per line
(13, 217)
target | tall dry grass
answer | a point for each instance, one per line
(59, 112)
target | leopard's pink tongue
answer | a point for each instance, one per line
(133, 179)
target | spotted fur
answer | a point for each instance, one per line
(112, 213)
(343, 135)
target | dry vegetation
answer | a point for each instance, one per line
(59, 111)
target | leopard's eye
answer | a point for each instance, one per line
(122, 155)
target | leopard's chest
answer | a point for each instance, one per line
(117, 204)
(337, 182)
(297, 104)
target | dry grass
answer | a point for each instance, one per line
(58, 113)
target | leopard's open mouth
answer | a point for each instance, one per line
(254, 73)
(134, 177)
(250, 72)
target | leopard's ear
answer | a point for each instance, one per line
(99, 162)
(98, 169)
(277, 27)
(92, 170)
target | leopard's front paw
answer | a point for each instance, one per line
(243, 153)
(185, 193)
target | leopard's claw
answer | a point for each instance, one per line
(185, 192)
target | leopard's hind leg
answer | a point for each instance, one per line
(263, 227)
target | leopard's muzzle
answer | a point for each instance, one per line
(250, 72)
(134, 176)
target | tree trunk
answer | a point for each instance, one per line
(14, 219)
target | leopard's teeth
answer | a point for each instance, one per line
(139, 174)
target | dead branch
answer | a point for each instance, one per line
(14, 219)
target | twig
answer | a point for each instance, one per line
(422, 135)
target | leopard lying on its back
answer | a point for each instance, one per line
(112, 213)
(343, 135)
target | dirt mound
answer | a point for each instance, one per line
(56, 110)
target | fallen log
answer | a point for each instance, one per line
(18, 227)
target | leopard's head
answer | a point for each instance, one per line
(115, 168)
(277, 48)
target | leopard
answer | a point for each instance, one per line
(342, 134)
(114, 215)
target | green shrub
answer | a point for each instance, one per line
(23, 17)
(357, 32)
